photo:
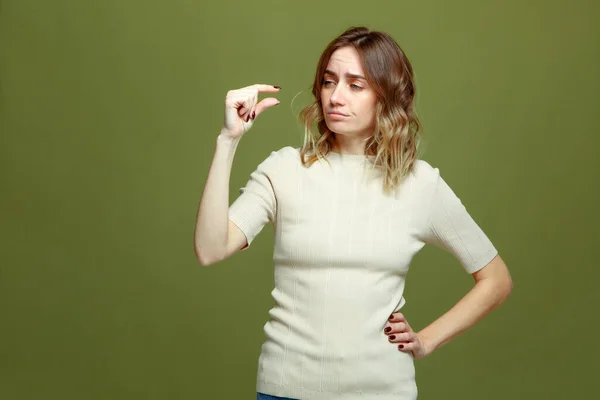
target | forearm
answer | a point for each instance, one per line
(212, 222)
(485, 296)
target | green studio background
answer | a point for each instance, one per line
(109, 114)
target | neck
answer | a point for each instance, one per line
(349, 145)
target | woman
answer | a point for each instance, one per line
(350, 209)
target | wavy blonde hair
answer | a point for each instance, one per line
(396, 135)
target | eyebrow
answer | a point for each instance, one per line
(348, 75)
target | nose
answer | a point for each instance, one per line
(337, 96)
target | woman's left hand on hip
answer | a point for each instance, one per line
(404, 338)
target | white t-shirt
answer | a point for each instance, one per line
(342, 249)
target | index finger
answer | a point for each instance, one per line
(397, 317)
(266, 88)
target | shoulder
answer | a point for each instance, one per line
(288, 152)
(432, 184)
(425, 172)
(287, 155)
(276, 160)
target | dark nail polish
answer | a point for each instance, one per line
(392, 337)
(388, 329)
(400, 346)
(391, 317)
(277, 87)
(253, 114)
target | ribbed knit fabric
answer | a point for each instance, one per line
(342, 252)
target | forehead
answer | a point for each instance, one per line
(345, 59)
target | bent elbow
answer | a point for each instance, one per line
(509, 286)
(505, 289)
(203, 259)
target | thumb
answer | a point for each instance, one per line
(264, 104)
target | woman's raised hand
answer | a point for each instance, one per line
(242, 108)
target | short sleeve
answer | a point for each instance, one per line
(452, 228)
(256, 205)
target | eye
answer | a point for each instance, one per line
(356, 87)
(326, 82)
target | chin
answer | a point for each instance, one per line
(345, 132)
(339, 130)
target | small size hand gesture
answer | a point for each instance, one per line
(242, 107)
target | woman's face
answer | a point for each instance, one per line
(345, 91)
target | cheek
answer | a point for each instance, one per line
(323, 98)
(368, 115)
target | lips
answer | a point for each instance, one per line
(337, 113)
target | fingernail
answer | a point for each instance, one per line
(278, 103)
(388, 329)
(400, 346)
(253, 114)
(277, 87)
(391, 317)
(392, 337)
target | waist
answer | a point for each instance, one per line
(335, 367)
